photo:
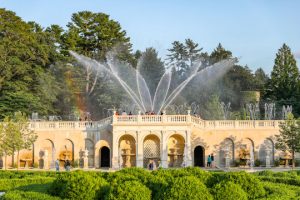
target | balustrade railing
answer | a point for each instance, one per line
(70, 124)
(156, 119)
(196, 121)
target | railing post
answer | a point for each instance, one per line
(236, 124)
(188, 117)
(139, 117)
(164, 117)
(114, 119)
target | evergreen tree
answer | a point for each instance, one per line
(183, 55)
(260, 79)
(152, 69)
(219, 54)
(94, 35)
(284, 82)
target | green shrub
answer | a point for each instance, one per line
(187, 188)
(139, 174)
(21, 195)
(158, 185)
(77, 185)
(75, 164)
(25, 174)
(257, 163)
(228, 191)
(9, 184)
(276, 163)
(236, 163)
(285, 180)
(248, 182)
(277, 191)
(131, 190)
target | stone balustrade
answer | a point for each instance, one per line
(155, 119)
(191, 120)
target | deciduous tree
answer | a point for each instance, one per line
(289, 137)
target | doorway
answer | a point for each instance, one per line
(199, 155)
(104, 157)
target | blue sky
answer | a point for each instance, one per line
(252, 29)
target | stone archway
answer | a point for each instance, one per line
(199, 156)
(226, 149)
(267, 147)
(27, 157)
(66, 152)
(127, 151)
(104, 157)
(151, 149)
(50, 148)
(176, 145)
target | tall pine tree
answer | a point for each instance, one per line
(284, 83)
(285, 75)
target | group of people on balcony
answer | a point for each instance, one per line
(124, 113)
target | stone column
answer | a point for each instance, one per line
(188, 159)
(46, 161)
(164, 150)
(85, 159)
(139, 149)
(115, 151)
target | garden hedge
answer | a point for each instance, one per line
(77, 185)
(227, 190)
(128, 190)
(21, 195)
(187, 188)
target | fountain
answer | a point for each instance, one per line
(270, 111)
(136, 87)
(286, 110)
(253, 110)
(226, 109)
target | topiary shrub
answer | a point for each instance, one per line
(185, 188)
(77, 185)
(227, 190)
(202, 175)
(248, 182)
(131, 190)
(158, 185)
(140, 174)
(21, 195)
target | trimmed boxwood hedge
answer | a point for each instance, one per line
(187, 188)
(248, 182)
(227, 190)
(21, 195)
(128, 190)
(9, 184)
(136, 183)
(77, 185)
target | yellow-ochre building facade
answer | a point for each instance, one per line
(133, 140)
